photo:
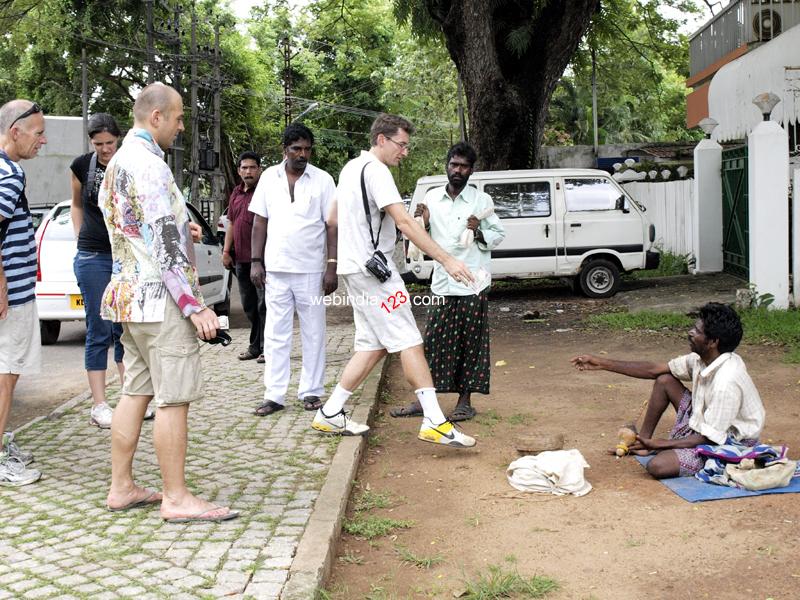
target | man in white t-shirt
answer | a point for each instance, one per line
(293, 257)
(369, 208)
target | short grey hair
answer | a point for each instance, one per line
(10, 111)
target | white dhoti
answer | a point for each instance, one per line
(286, 293)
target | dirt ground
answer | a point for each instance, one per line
(630, 538)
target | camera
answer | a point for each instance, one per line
(378, 266)
(221, 336)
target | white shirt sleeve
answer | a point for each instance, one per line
(380, 185)
(328, 196)
(258, 203)
(682, 367)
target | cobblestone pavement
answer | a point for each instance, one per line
(57, 540)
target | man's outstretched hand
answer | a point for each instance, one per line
(587, 362)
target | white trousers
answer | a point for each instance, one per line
(285, 294)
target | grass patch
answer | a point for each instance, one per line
(369, 500)
(421, 562)
(490, 418)
(669, 265)
(497, 583)
(351, 559)
(370, 527)
(761, 326)
(518, 419)
(641, 320)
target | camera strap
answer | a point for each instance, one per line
(369, 216)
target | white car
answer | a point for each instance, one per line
(58, 297)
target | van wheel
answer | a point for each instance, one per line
(599, 279)
(49, 331)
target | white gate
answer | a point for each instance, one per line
(669, 208)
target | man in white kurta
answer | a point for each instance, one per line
(294, 259)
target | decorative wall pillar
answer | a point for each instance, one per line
(707, 203)
(768, 206)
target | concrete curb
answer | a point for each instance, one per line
(311, 566)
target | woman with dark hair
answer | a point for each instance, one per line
(92, 264)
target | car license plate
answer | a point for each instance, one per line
(75, 301)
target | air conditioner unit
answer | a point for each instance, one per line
(767, 24)
(769, 18)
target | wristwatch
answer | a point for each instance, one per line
(257, 259)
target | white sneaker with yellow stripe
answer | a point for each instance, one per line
(445, 434)
(338, 424)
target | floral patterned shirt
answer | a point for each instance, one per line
(148, 225)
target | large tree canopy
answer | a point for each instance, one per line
(510, 55)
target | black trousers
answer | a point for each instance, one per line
(254, 307)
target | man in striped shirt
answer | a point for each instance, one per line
(21, 136)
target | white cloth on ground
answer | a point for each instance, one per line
(558, 472)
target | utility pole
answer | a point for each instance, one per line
(169, 33)
(594, 103)
(287, 81)
(195, 152)
(85, 100)
(151, 52)
(218, 181)
(177, 146)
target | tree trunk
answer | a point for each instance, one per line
(508, 92)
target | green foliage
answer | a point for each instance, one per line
(642, 64)
(421, 562)
(761, 326)
(371, 526)
(497, 583)
(670, 264)
(369, 500)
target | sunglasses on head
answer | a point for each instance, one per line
(35, 108)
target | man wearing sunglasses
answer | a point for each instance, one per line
(21, 135)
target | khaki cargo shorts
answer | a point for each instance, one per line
(381, 323)
(20, 344)
(163, 359)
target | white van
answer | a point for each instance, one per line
(559, 223)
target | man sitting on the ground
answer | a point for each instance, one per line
(723, 407)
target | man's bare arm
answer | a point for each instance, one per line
(639, 369)
(330, 281)
(258, 241)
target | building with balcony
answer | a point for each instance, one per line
(770, 26)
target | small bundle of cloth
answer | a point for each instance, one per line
(558, 472)
(759, 467)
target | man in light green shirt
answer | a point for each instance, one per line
(461, 220)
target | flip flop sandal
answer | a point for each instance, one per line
(406, 411)
(267, 408)
(312, 403)
(204, 517)
(462, 413)
(149, 500)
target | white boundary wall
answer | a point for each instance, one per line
(670, 208)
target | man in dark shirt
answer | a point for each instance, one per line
(238, 236)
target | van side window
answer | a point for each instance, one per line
(590, 194)
(520, 199)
